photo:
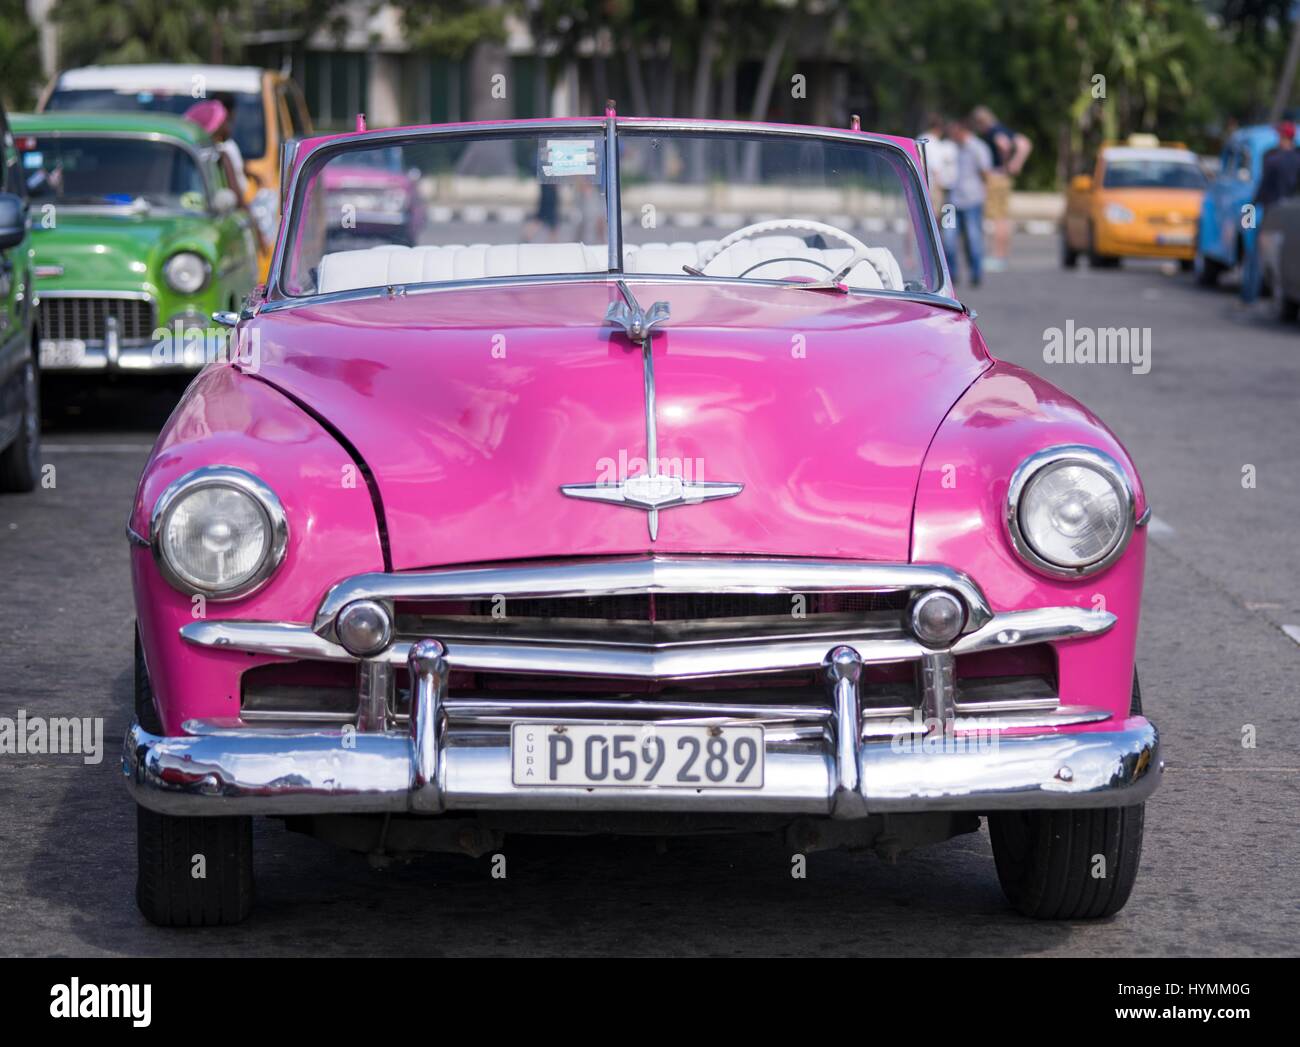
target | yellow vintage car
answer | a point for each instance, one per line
(1142, 201)
(268, 111)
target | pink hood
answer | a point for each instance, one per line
(472, 407)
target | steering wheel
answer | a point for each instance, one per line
(861, 250)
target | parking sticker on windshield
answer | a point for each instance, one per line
(566, 157)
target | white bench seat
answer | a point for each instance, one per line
(391, 264)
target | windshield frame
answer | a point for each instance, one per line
(198, 155)
(924, 219)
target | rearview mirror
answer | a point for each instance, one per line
(1081, 183)
(13, 220)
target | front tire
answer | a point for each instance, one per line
(171, 852)
(20, 461)
(1069, 865)
(1099, 261)
(190, 872)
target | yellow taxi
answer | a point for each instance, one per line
(267, 108)
(1142, 200)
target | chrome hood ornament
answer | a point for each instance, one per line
(650, 491)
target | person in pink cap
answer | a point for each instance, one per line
(216, 116)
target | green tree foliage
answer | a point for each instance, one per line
(20, 70)
(108, 33)
(1070, 73)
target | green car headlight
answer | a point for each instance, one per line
(186, 272)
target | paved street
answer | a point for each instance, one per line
(1220, 870)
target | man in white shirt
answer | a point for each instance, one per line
(940, 160)
(962, 218)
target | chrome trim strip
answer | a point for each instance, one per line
(1052, 457)
(241, 480)
(134, 538)
(133, 296)
(1040, 625)
(1145, 518)
(652, 574)
(644, 662)
(630, 662)
(634, 710)
(936, 299)
(613, 197)
(242, 770)
(877, 722)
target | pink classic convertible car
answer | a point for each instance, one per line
(662, 487)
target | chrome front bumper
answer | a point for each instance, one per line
(450, 759)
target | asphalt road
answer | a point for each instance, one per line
(1220, 871)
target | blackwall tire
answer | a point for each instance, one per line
(1069, 865)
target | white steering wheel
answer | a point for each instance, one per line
(861, 250)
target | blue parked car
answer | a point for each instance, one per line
(1220, 237)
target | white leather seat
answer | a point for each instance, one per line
(390, 264)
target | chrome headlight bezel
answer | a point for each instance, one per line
(1054, 458)
(245, 483)
(171, 283)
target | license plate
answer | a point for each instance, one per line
(657, 755)
(1172, 239)
(63, 352)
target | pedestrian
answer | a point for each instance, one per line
(962, 220)
(1278, 179)
(940, 160)
(216, 116)
(1010, 150)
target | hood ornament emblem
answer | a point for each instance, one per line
(650, 491)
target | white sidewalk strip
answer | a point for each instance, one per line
(1292, 631)
(96, 448)
(1157, 528)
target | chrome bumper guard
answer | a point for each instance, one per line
(841, 757)
(454, 758)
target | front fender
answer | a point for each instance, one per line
(959, 520)
(230, 418)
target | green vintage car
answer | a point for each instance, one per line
(138, 237)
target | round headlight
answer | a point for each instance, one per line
(218, 531)
(1070, 511)
(186, 272)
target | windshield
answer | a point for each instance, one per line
(1153, 174)
(250, 118)
(796, 208)
(84, 169)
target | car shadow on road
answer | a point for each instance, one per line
(125, 404)
(569, 896)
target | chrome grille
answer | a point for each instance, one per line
(85, 319)
(655, 618)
